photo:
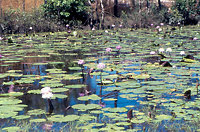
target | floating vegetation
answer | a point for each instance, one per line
(122, 80)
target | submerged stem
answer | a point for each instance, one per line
(51, 108)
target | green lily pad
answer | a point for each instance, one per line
(21, 117)
(61, 96)
(36, 112)
(37, 120)
(34, 92)
(76, 86)
(55, 90)
(15, 94)
(12, 129)
(92, 97)
(83, 107)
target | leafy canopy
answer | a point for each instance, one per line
(66, 11)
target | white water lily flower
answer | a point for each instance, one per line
(152, 53)
(169, 50)
(182, 53)
(46, 93)
(75, 33)
(67, 25)
(195, 38)
(161, 50)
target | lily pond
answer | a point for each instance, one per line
(113, 80)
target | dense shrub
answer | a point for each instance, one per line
(188, 9)
(145, 17)
(16, 21)
(66, 11)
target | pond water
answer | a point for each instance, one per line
(153, 88)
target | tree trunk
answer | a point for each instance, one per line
(159, 4)
(140, 9)
(197, 3)
(133, 3)
(116, 8)
(97, 14)
(0, 9)
(110, 6)
(23, 5)
(35, 4)
(147, 4)
(102, 15)
(91, 18)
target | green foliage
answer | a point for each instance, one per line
(189, 9)
(16, 21)
(175, 17)
(145, 16)
(66, 11)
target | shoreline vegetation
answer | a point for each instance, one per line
(62, 15)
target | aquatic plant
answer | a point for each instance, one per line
(118, 47)
(161, 50)
(46, 93)
(158, 90)
(108, 49)
(101, 66)
(81, 62)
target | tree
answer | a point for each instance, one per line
(116, 8)
(159, 4)
(66, 11)
(102, 14)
